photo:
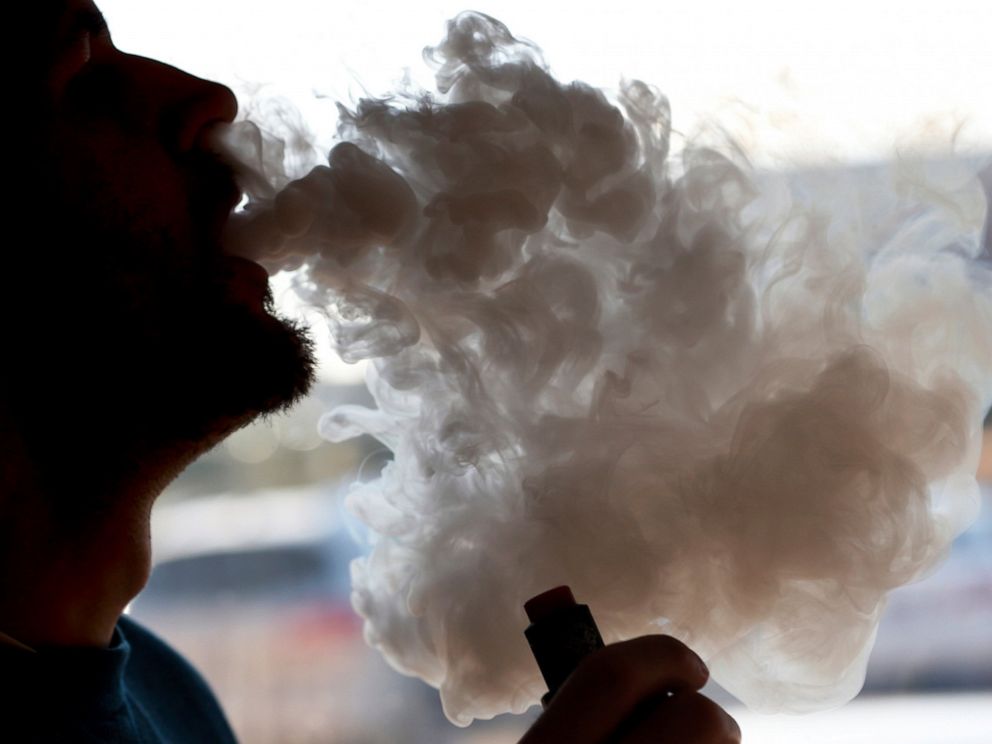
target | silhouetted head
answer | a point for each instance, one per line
(125, 329)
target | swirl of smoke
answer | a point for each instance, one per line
(710, 410)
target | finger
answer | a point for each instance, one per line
(611, 683)
(683, 718)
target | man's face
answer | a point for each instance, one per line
(124, 205)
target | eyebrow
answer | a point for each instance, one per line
(83, 20)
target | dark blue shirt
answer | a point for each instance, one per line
(136, 690)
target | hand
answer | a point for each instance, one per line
(642, 691)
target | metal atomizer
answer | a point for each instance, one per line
(561, 633)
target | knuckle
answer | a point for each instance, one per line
(617, 669)
(669, 643)
(710, 721)
(641, 660)
(733, 731)
(679, 656)
(676, 648)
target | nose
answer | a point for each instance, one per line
(188, 105)
(215, 103)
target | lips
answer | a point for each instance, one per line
(214, 192)
(214, 195)
(229, 194)
(245, 281)
(247, 271)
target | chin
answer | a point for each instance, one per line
(138, 395)
(244, 364)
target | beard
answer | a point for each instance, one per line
(209, 367)
(130, 344)
(197, 355)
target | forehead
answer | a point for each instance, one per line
(53, 19)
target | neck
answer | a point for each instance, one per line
(71, 563)
(67, 584)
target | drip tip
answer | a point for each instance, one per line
(548, 603)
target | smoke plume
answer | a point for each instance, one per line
(655, 376)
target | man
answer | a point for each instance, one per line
(132, 346)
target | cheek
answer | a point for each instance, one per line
(128, 190)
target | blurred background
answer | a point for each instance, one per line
(253, 544)
(251, 583)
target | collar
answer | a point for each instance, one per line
(7, 640)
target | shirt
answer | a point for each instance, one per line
(135, 691)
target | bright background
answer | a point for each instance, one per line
(839, 80)
(252, 545)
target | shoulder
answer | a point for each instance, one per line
(148, 649)
(168, 690)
